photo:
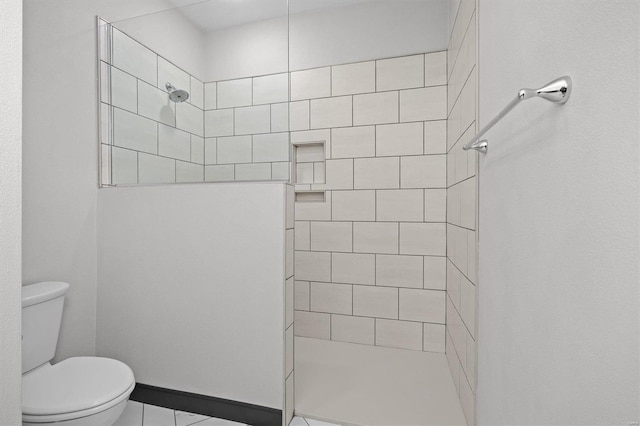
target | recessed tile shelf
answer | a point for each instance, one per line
(308, 168)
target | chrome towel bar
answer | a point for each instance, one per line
(557, 91)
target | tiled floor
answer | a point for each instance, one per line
(137, 414)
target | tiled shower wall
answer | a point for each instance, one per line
(370, 260)
(289, 376)
(145, 137)
(461, 208)
(246, 129)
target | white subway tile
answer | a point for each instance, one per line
(435, 205)
(468, 304)
(400, 205)
(339, 174)
(189, 172)
(353, 78)
(470, 366)
(467, 400)
(468, 203)
(234, 149)
(353, 268)
(197, 149)
(399, 334)
(210, 151)
(434, 337)
(428, 239)
(290, 207)
(154, 103)
(435, 68)
(312, 324)
(299, 115)
(378, 302)
(134, 132)
(331, 112)
(289, 252)
(223, 173)
(375, 108)
(371, 237)
(210, 96)
(154, 169)
(288, 340)
(435, 273)
(218, 123)
(196, 97)
(174, 143)
(253, 172)
(457, 331)
(453, 361)
(303, 235)
(354, 205)
(429, 103)
(105, 84)
(352, 329)
(400, 139)
(331, 236)
(124, 91)
(169, 73)
(289, 398)
(271, 147)
(234, 93)
(309, 84)
(252, 120)
(316, 210)
(304, 173)
(422, 305)
(280, 117)
(301, 295)
(319, 175)
(271, 89)
(124, 166)
(399, 271)
(400, 73)
(435, 137)
(313, 266)
(376, 173)
(350, 142)
(453, 284)
(280, 171)
(425, 171)
(134, 58)
(331, 298)
(190, 118)
(472, 256)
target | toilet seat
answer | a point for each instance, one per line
(74, 388)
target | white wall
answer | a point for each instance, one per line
(60, 153)
(330, 36)
(172, 36)
(10, 209)
(559, 215)
(247, 50)
(372, 30)
(191, 290)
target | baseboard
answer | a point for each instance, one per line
(242, 412)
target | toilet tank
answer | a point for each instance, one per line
(42, 305)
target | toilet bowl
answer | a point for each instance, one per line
(77, 391)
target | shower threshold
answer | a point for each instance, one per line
(365, 385)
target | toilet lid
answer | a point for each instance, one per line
(74, 384)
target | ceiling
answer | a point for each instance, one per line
(212, 15)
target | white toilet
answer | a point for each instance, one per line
(77, 391)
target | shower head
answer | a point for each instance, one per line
(176, 95)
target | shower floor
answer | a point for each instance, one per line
(373, 386)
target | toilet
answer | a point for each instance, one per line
(77, 391)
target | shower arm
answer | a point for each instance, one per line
(557, 91)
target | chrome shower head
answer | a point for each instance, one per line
(176, 95)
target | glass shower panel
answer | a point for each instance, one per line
(197, 93)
